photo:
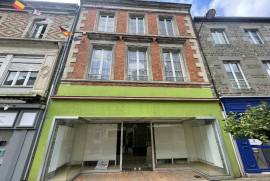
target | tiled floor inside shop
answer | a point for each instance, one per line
(184, 175)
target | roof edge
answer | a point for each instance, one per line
(232, 19)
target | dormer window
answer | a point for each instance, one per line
(38, 29)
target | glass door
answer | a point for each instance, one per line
(137, 147)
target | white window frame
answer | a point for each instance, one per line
(172, 63)
(252, 38)
(166, 25)
(137, 23)
(101, 66)
(16, 78)
(267, 66)
(106, 22)
(137, 61)
(235, 77)
(216, 33)
(35, 23)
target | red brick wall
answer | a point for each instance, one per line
(119, 67)
(82, 60)
(119, 61)
(152, 24)
(156, 61)
(181, 25)
(122, 19)
(89, 22)
(191, 63)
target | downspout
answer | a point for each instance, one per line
(54, 85)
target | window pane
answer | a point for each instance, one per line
(28, 119)
(110, 25)
(102, 23)
(21, 78)
(173, 66)
(219, 36)
(100, 68)
(254, 36)
(38, 30)
(32, 78)
(170, 27)
(132, 25)
(7, 119)
(162, 28)
(140, 26)
(10, 78)
(235, 75)
(137, 65)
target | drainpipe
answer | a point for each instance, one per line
(54, 85)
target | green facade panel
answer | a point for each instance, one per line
(127, 109)
(80, 90)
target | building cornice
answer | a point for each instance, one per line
(137, 38)
(234, 19)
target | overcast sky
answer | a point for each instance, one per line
(223, 7)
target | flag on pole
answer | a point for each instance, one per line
(36, 12)
(65, 32)
(18, 5)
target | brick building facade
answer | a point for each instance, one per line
(134, 95)
(30, 49)
(237, 51)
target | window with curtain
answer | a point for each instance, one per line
(219, 36)
(136, 24)
(174, 66)
(106, 23)
(137, 64)
(101, 62)
(236, 76)
(166, 26)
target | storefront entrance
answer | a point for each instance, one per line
(85, 147)
(137, 147)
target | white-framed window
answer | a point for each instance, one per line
(166, 26)
(236, 76)
(219, 36)
(174, 66)
(38, 29)
(7, 119)
(136, 24)
(21, 78)
(101, 63)
(137, 64)
(267, 66)
(106, 22)
(28, 119)
(254, 36)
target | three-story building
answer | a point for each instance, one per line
(134, 96)
(237, 51)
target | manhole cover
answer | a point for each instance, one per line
(197, 176)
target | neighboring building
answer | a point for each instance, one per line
(134, 96)
(29, 53)
(237, 51)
